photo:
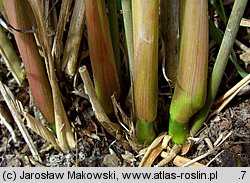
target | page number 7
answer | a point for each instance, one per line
(243, 174)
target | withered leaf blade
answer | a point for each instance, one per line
(112, 128)
(41, 130)
(10, 101)
(180, 161)
(155, 149)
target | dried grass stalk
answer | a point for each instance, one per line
(72, 46)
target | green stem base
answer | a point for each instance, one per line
(145, 131)
(178, 131)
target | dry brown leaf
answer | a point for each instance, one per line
(41, 130)
(245, 22)
(171, 155)
(66, 139)
(229, 95)
(5, 119)
(186, 147)
(122, 118)
(245, 57)
(110, 127)
(72, 45)
(63, 18)
(155, 149)
(180, 161)
(11, 103)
